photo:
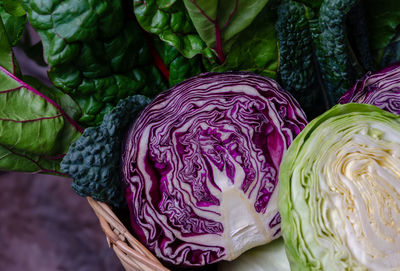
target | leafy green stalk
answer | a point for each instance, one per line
(179, 67)
(35, 132)
(171, 22)
(256, 48)
(219, 21)
(95, 53)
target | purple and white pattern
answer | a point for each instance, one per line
(381, 89)
(201, 166)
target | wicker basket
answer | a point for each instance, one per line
(132, 254)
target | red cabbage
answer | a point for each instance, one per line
(201, 166)
(381, 89)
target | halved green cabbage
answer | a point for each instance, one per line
(339, 194)
(269, 257)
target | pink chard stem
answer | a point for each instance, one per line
(218, 37)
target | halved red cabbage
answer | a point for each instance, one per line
(381, 89)
(201, 166)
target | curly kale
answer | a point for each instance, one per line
(94, 159)
(95, 53)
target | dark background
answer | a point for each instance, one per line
(44, 226)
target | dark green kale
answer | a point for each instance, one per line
(298, 66)
(339, 66)
(323, 50)
(94, 159)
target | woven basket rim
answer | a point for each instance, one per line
(132, 254)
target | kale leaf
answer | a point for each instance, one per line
(94, 159)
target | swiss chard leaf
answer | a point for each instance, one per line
(179, 67)
(12, 159)
(35, 132)
(6, 54)
(95, 52)
(13, 8)
(255, 49)
(383, 21)
(170, 21)
(14, 24)
(219, 21)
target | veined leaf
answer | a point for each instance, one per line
(255, 49)
(298, 64)
(219, 21)
(391, 54)
(35, 132)
(14, 160)
(94, 159)
(320, 54)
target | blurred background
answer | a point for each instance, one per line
(44, 226)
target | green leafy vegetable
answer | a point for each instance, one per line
(383, 22)
(13, 7)
(179, 67)
(339, 67)
(256, 48)
(94, 159)
(35, 132)
(219, 21)
(6, 54)
(323, 49)
(298, 65)
(14, 26)
(170, 21)
(95, 53)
